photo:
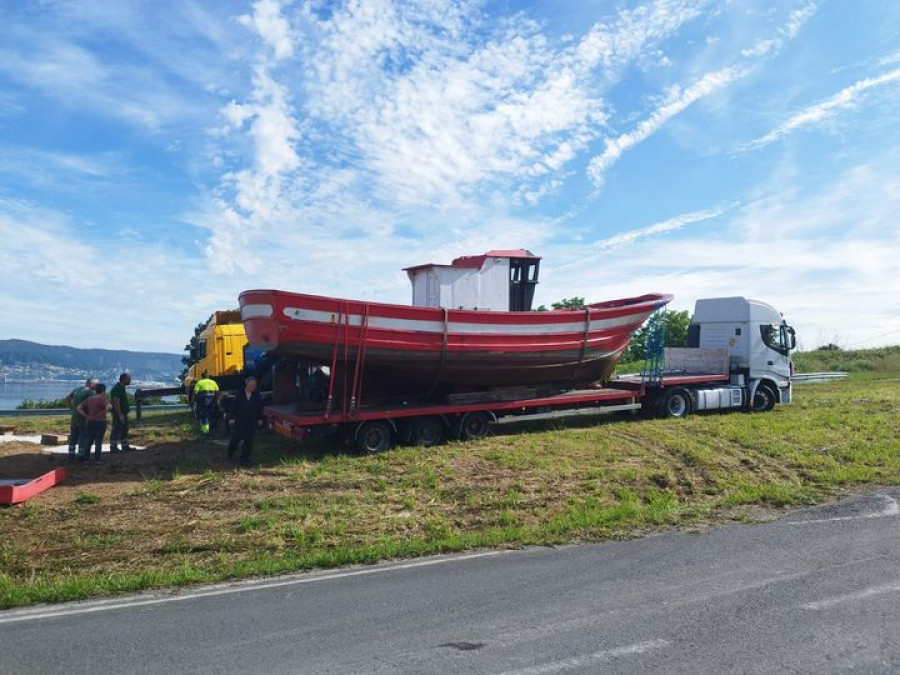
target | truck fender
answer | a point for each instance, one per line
(359, 425)
(770, 383)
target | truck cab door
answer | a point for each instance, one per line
(773, 356)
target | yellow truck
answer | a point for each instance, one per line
(222, 353)
(219, 351)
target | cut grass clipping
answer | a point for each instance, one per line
(178, 513)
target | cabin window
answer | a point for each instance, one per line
(775, 337)
(523, 277)
(201, 350)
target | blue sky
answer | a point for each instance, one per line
(158, 158)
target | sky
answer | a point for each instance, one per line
(157, 158)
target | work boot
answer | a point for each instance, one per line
(114, 448)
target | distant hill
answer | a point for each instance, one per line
(21, 359)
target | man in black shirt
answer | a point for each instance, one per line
(246, 411)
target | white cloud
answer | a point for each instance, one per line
(676, 101)
(257, 191)
(271, 26)
(613, 45)
(823, 110)
(435, 103)
(798, 18)
(827, 258)
(413, 115)
(669, 225)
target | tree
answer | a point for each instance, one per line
(565, 303)
(676, 325)
(191, 347)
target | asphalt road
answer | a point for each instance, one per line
(816, 592)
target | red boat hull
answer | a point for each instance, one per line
(416, 347)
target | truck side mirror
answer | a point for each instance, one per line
(792, 337)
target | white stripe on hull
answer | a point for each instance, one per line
(462, 327)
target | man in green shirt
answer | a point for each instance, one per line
(118, 396)
(76, 425)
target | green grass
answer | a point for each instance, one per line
(179, 514)
(860, 360)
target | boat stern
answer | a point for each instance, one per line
(259, 313)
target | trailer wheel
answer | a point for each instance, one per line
(374, 437)
(675, 403)
(427, 431)
(763, 399)
(474, 425)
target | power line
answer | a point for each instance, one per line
(876, 337)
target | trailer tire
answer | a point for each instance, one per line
(764, 399)
(428, 431)
(474, 426)
(675, 403)
(374, 437)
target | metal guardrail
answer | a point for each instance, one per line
(39, 412)
(814, 378)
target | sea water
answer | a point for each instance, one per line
(13, 392)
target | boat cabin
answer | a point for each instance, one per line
(496, 280)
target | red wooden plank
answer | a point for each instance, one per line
(15, 494)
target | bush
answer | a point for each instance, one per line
(31, 404)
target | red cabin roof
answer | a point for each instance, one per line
(478, 260)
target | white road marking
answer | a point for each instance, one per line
(851, 597)
(593, 659)
(13, 616)
(891, 508)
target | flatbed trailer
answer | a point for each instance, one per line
(738, 358)
(376, 428)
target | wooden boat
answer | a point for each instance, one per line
(425, 349)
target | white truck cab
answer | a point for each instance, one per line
(757, 340)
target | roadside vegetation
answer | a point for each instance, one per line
(56, 404)
(178, 513)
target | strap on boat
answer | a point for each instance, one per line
(356, 391)
(345, 400)
(329, 402)
(445, 340)
(584, 343)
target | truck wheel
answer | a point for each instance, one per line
(763, 399)
(675, 403)
(374, 437)
(427, 431)
(474, 426)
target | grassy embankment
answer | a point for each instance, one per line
(177, 513)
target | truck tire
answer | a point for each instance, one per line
(763, 399)
(473, 426)
(374, 437)
(427, 431)
(675, 403)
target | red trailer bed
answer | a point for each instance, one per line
(295, 424)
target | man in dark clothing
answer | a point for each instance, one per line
(76, 425)
(245, 412)
(118, 396)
